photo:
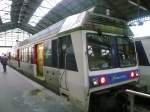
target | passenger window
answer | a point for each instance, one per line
(54, 53)
(30, 55)
(48, 53)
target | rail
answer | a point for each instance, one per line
(131, 94)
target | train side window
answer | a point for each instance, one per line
(48, 53)
(61, 50)
(26, 55)
(66, 54)
(23, 55)
(70, 56)
(32, 55)
(29, 54)
(55, 53)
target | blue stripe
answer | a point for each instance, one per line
(114, 77)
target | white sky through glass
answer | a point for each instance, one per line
(5, 7)
(42, 10)
(141, 31)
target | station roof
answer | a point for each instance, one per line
(22, 11)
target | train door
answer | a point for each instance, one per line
(40, 60)
(58, 73)
(66, 62)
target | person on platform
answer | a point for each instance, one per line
(4, 60)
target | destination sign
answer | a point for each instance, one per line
(100, 38)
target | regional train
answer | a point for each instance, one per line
(142, 45)
(87, 57)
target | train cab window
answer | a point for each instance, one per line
(99, 52)
(70, 56)
(126, 51)
(63, 54)
(66, 54)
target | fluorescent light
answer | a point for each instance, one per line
(5, 7)
(42, 10)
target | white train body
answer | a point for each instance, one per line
(73, 59)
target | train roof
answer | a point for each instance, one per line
(87, 20)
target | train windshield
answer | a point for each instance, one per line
(126, 52)
(99, 52)
(106, 52)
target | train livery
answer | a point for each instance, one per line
(85, 56)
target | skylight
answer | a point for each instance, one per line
(142, 30)
(42, 10)
(140, 27)
(5, 7)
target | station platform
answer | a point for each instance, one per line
(20, 94)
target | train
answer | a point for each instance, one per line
(142, 46)
(87, 57)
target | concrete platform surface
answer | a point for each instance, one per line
(20, 94)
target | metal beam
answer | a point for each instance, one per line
(117, 11)
(7, 26)
(5, 46)
(27, 28)
(137, 5)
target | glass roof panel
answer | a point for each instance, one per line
(5, 8)
(142, 30)
(42, 10)
(12, 37)
(140, 27)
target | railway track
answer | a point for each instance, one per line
(139, 101)
(138, 108)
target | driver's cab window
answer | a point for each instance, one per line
(64, 53)
(99, 52)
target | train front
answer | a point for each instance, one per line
(112, 61)
(112, 67)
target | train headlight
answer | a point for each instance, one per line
(95, 82)
(137, 74)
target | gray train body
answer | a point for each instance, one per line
(143, 50)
